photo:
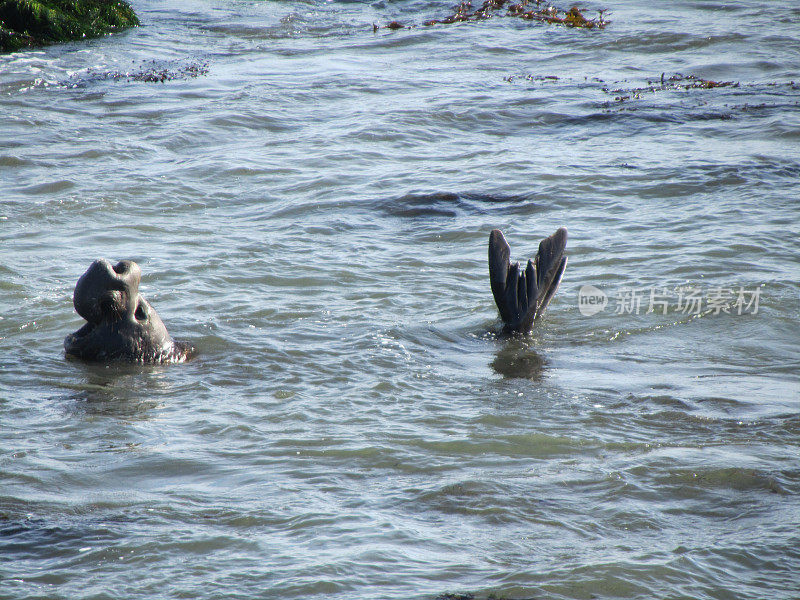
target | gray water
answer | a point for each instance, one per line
(311, 213)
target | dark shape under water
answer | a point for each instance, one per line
(516, 360)
(121, 324)
(521, 296)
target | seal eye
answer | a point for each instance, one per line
(140, 314)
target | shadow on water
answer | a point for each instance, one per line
(117, 389)
(448, 204)
(32, 537)
(517, 360)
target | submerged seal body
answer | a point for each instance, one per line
(121, 324)
(521, 296)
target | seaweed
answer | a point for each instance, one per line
(542, 78)
(26, 23)
(674, 82)
(525, 9)
(470, 596)
(625, 96)
(153, 72)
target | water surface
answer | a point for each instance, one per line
(311, 212)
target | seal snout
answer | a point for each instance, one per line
(107, 292)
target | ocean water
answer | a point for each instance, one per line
(310, 201)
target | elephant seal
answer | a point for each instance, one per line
(521, 296)
(121, 324)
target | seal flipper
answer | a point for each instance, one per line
(550, 265)
(513, 290)
(523, 296)
(546, 297)
(499, 264)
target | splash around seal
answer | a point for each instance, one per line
(121, 324)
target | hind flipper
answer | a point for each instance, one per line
(547, 295)
(499, 267)
(550, 263)
(523, 296)
(514, 290)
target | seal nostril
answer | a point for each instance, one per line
(140, 314)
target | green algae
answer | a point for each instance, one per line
(27, 23)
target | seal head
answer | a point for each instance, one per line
(121, 324)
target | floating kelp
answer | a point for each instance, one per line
(550, 78)
(624, 97)
(160, 74)
(530, 10)
(572, 18)
(467, 596)
(149, 72)
(686, 82)
(674, 82)
(26, 23)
